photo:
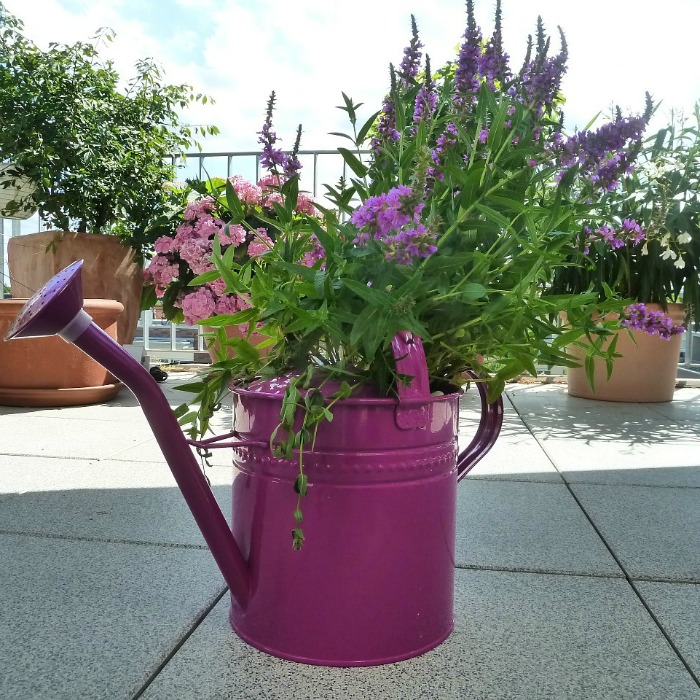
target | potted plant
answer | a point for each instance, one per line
(449, 232)
(99, 156)
(643, 243)
(184, 250)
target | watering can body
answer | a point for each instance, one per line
(374, 582)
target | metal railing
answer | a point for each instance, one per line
(164, 341)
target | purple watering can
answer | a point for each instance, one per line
(374, 582)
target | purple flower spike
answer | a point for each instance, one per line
(408, 70)
(638, 318)
(467, 73)
(426, 99)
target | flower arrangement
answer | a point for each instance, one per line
(202, 218)
(452, 228)
(648, 249)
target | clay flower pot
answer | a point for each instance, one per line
(110, 270)
(646, 372)
(49, 371)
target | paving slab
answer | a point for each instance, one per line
(47, 436)
(517, 636)
(94, 620)
(677, 608)
(111, 501)
(149, 450)
(22, 473)
(525, 526)
(516, 454)
(612, 443)
(654, 531)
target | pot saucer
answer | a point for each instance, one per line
(79, 396)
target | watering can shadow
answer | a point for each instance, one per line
(257, 582)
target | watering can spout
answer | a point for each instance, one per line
(56, 309)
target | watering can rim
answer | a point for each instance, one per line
(262, 390)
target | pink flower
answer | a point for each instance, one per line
(235, 236)
(247, 192)
(161, 272)
(272, 197)
(195, 209)
(164, 244)
(196, 253)
(208, 227)
(270, 181)
(197, 305)
(305, 205)
(260, 244)
(230, 304)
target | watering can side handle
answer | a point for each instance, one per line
(486, 434)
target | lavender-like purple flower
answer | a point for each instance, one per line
(446, 139)
(411, 244)
(467, 73)
(408, 70)
(386, 126)
(292, 164)
(630, 232)
(394, 219)
(541, 78)
(426, 99)
(271, 158)
(637, 317)
(493, 62)
(603, 155)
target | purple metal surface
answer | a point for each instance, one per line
(486, 434)
(52, 308)
(374, 582)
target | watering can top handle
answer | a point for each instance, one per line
(410, 360)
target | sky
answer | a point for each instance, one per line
(309, 51)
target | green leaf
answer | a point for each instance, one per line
(229, 319)
(353, 162)
(234, 204)
(376, 297)
(300, 484)
(362, 133)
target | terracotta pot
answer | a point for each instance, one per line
(232, 332)
(49, 371)
(646, 372)
(110, 270)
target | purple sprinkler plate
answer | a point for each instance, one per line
(53, 307)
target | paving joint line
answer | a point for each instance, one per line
(628, 578)
(169, 656)
(103, 540)
(585, 574)
(536, 570)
